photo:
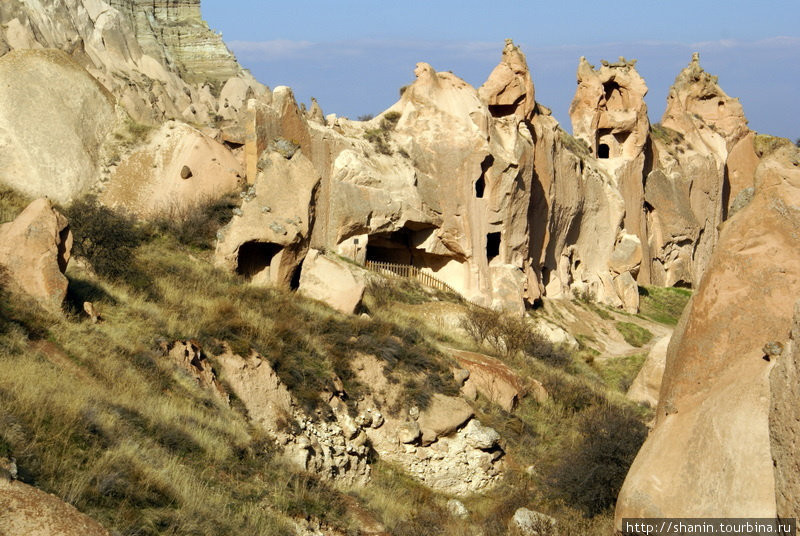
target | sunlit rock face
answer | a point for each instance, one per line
(727, 408)
(159, 59)
(703, 157)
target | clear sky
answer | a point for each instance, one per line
(354, 55)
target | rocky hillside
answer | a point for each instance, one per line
(224, 313)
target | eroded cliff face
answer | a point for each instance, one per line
(703, 158)
(726, 411)
(159, 58)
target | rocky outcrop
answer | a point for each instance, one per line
(442, 446)
(28, 511)
(336, 450)
(189, 356)
(703, 157)
(491, 378)
(34, 252)
(54, 118)
(509, 88)
(527, 522)
(270, 234)
(608, 113)
(725, 413)
(178, 170)
(158, 58)
(333, 282)
(647, 384)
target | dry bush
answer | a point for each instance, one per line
(591, 474)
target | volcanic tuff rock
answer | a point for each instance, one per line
(157, 57)
(727, 407)
(27, 511)
(54, 118)
(34, 252)
(150, 181)
(704, 156)
(647, 384)
(332, 281)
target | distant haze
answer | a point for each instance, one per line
(353, 56)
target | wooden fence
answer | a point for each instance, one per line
(411, 272)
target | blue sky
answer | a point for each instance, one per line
(354, 55)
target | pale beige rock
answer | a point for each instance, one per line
(710, 453)
(269, 235)
(53, 119)
(491, 378)
(28, 511)
(443, 417)
(628, 292)
(190, 357)
(178, 170)
(332, 281)
(158, 58)
(647, 384)
(34, 252)
(706, 127)
(509, 88)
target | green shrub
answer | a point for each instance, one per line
(591, 474)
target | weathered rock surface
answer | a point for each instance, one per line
(531, 523)
(34, 252)
(334, 450)
(460, 455)
(719, 446)
(491, 378)
(704, 156)
(178, 170)
(158, 58)
(28, 511)
(332, 281)
(509, 87)
(54, 117)
(647, 385)
(189, 356)
(269, 236)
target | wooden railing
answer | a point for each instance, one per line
(411, 272)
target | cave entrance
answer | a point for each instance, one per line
(492, 245)
(603, 150)
(480, 186)
(401, 246)
(255, 257)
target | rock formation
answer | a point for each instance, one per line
(647, 384)
(178, 170)
(703, 157)
(54, 119)
(332, 281)
(28, 511)
(34, 252)
(158, 58)
(726, 408)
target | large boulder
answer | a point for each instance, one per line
(177, 171)
(54, 117)
(443, 417)
(727, 407)
(269, 235)
(34, 252)
(332, 281)
(491, 378)
(28, 511)
(646, 386)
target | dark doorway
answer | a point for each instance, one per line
(294, 283)
(480, 186)
(603, 150)
(255, 257)
(492, 245)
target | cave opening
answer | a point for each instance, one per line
(255, 257)
(603, 150)
(294, 282)
(492, 245)
(480, 186)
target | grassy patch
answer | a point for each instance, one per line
(633, 334)
(663, 304)
(619, 372)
